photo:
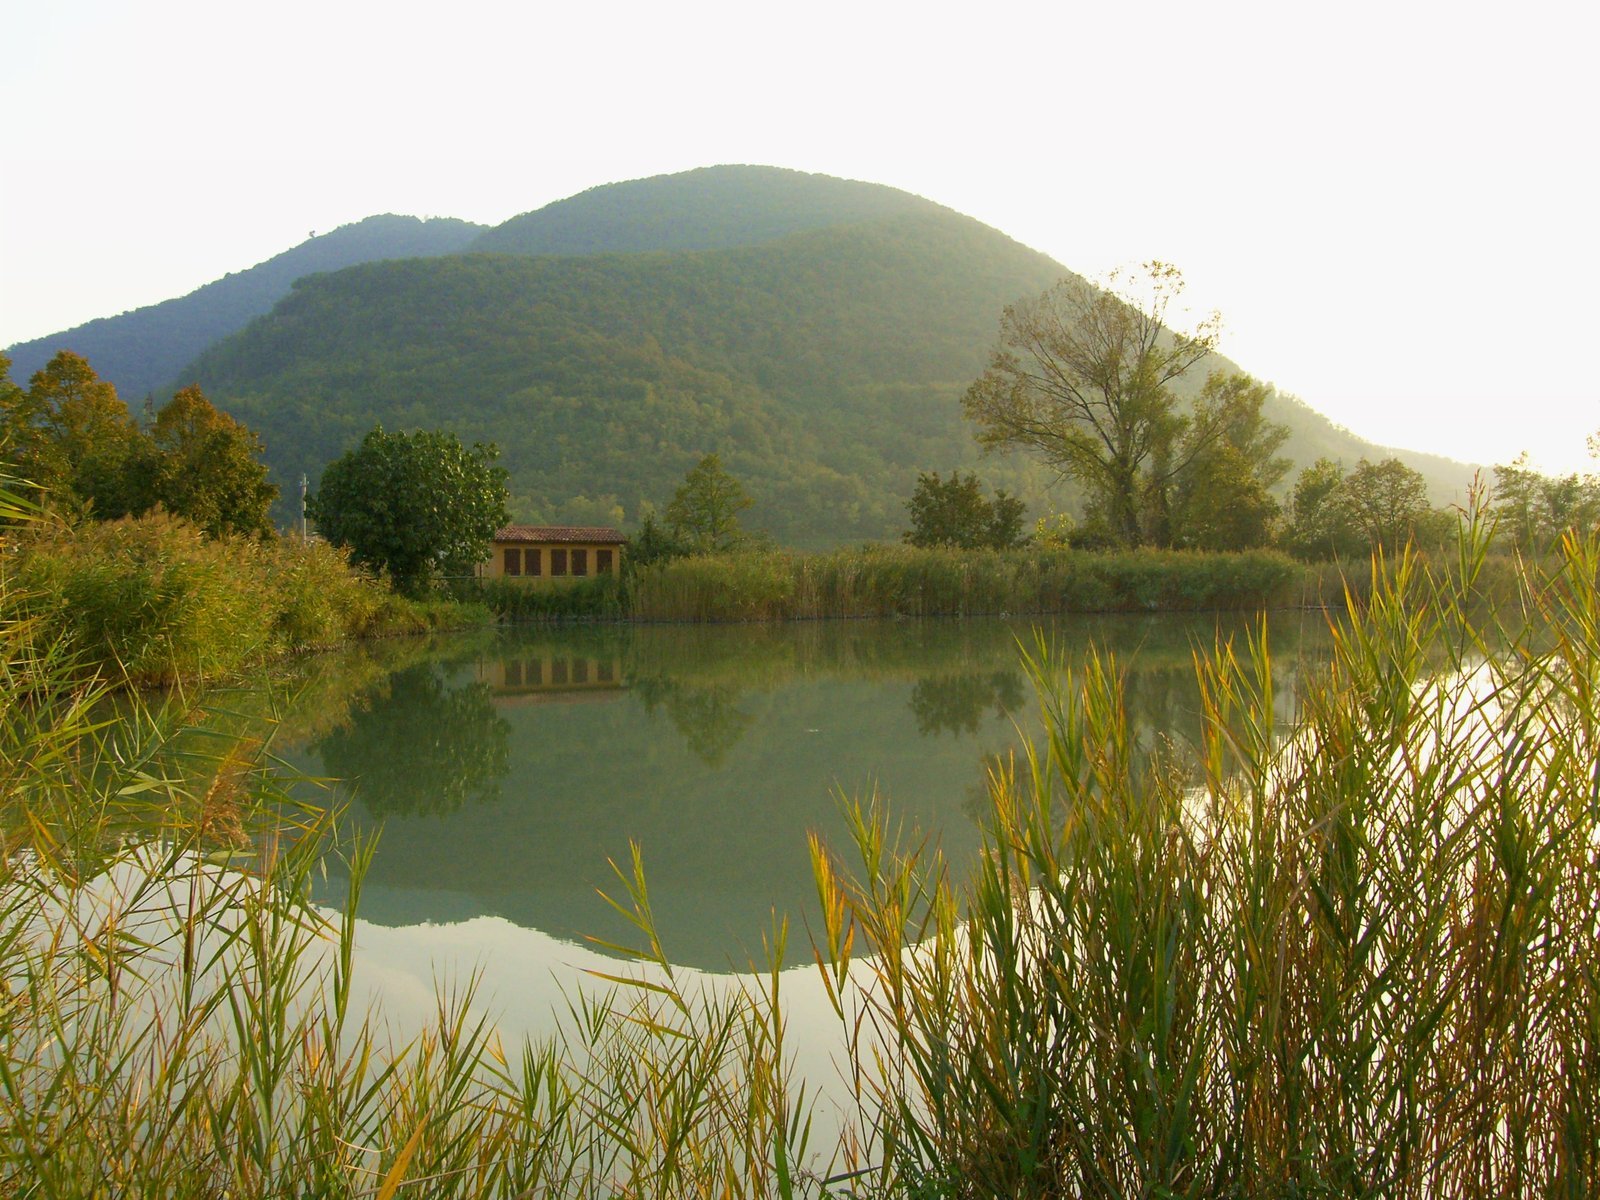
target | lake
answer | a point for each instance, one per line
(504, 770)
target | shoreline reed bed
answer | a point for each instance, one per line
(907, 581)
(598, 598)
(152, 601)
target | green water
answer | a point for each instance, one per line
(505, 769)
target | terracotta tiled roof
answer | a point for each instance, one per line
(559, 533)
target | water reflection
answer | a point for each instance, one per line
(507, 769)
(417, 744)
(956, 703)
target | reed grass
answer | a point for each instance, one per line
(1359, 956)
(151, 600)
(598, 598)
(908, 581)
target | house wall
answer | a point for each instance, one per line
(546, 553)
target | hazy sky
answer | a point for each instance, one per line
(1392, 204)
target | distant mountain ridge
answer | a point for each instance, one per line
(144, 350)
(711, 208)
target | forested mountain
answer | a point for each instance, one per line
(144, 350)
(824, 367)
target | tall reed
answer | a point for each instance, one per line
(152, 600)
(917, 582)
(1356, 957)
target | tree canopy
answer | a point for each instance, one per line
(1533, 510)
(954, 512)
(70, 435)
(1083, 377)
(704, 511)
(1382, 504)
(412, 504)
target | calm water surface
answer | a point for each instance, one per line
(504, 769)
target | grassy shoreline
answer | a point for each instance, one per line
(151, 601)
(905, 581)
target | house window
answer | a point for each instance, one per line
(532, 561)
(558, 671)
(580, 562)
(602, 562)
(513, 562)
(513, 674)
(580, 670)
(558, 562)
(605, 672)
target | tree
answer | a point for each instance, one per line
(412, 504)
(70, 435)
(1084, 377)
(207, 468)
(1319, 527)
(1382, 504)
(1533, 510)
(955, 513)
(1388, 504)
(704, 511)
(1222, 498)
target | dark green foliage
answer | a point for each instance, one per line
(821, 343)
(653, 542)
(703, 513)
(458, 745)
(205, 467)
(142, 352)
(153, 600)
(1378, 505)
(825, 367)
(954, 513)
(1221, 498)
(412, 504)
(72, 437)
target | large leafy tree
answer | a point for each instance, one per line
(1084, 377)
(704, 511)
(413, 504)
(69, 434)
(1533, 509)
(207, 467)
(955, 512)
(1382, 504)
(1222, 499)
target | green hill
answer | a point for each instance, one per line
(825, 367)
(144, 350)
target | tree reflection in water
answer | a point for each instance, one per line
(419, 746)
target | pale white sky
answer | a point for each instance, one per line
(1393, 204)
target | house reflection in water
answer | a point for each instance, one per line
(552, 674)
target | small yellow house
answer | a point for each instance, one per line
(553, 552)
